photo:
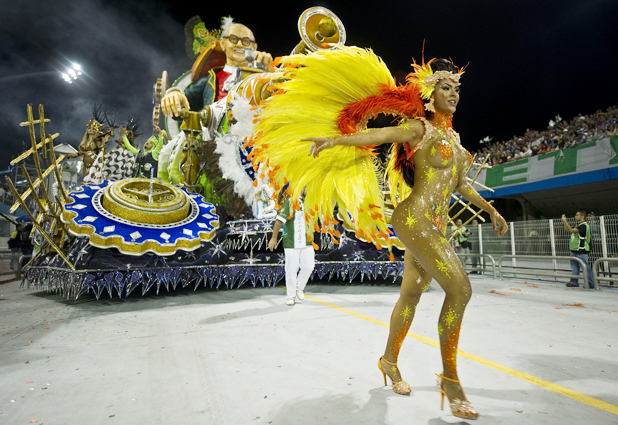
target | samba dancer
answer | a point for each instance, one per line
(438, 163)
(427, 155)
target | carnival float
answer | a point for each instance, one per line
(194, 207)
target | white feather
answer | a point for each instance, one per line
(226, 21)
(228, 146)
(175, 154)
(264, 205)
(164, 157)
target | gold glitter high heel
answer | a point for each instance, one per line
(400, 387)
(460, 409)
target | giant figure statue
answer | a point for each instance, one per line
(218, 102)
(211, 84)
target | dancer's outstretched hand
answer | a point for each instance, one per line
(497, 219)
(319, 144)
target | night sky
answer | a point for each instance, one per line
(529, 60)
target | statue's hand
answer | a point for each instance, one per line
(263, 58)
(173, 102)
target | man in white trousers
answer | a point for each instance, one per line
(299, 254)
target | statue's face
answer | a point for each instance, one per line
(235, 52)
(94, 127)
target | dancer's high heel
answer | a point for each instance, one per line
(400, 387)
(461, 409)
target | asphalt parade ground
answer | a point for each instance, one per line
(531, 353)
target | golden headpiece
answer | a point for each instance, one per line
(425, 78)
(96, 125)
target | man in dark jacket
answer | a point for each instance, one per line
(15, 242)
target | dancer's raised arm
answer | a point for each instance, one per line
(411, 132)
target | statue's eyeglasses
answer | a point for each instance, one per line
(246, 41)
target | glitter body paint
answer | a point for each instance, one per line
(420, 221)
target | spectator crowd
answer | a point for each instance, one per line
(558, 135)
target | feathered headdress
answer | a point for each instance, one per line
(96, 122)
(426, 79)
(133, 127)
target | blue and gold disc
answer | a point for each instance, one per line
(137, 216)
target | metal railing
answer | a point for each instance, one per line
(545, 237)
(7, 198)
(15, 258)
(532, 271)
(605, 278)
(480, 264)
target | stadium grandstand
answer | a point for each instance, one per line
(543, 174)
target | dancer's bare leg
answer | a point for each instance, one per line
(444, 266)
(438, 260)
(415, 281)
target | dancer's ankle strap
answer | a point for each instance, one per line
(444, 377)
(393, 364)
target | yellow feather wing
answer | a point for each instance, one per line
(314, 89)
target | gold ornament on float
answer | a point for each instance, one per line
(319, 27)
(138, 201)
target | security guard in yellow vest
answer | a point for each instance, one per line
(579, 245)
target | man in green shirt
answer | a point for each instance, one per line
(299, 254)
(579, 245)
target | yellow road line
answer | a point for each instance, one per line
(591, 401)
